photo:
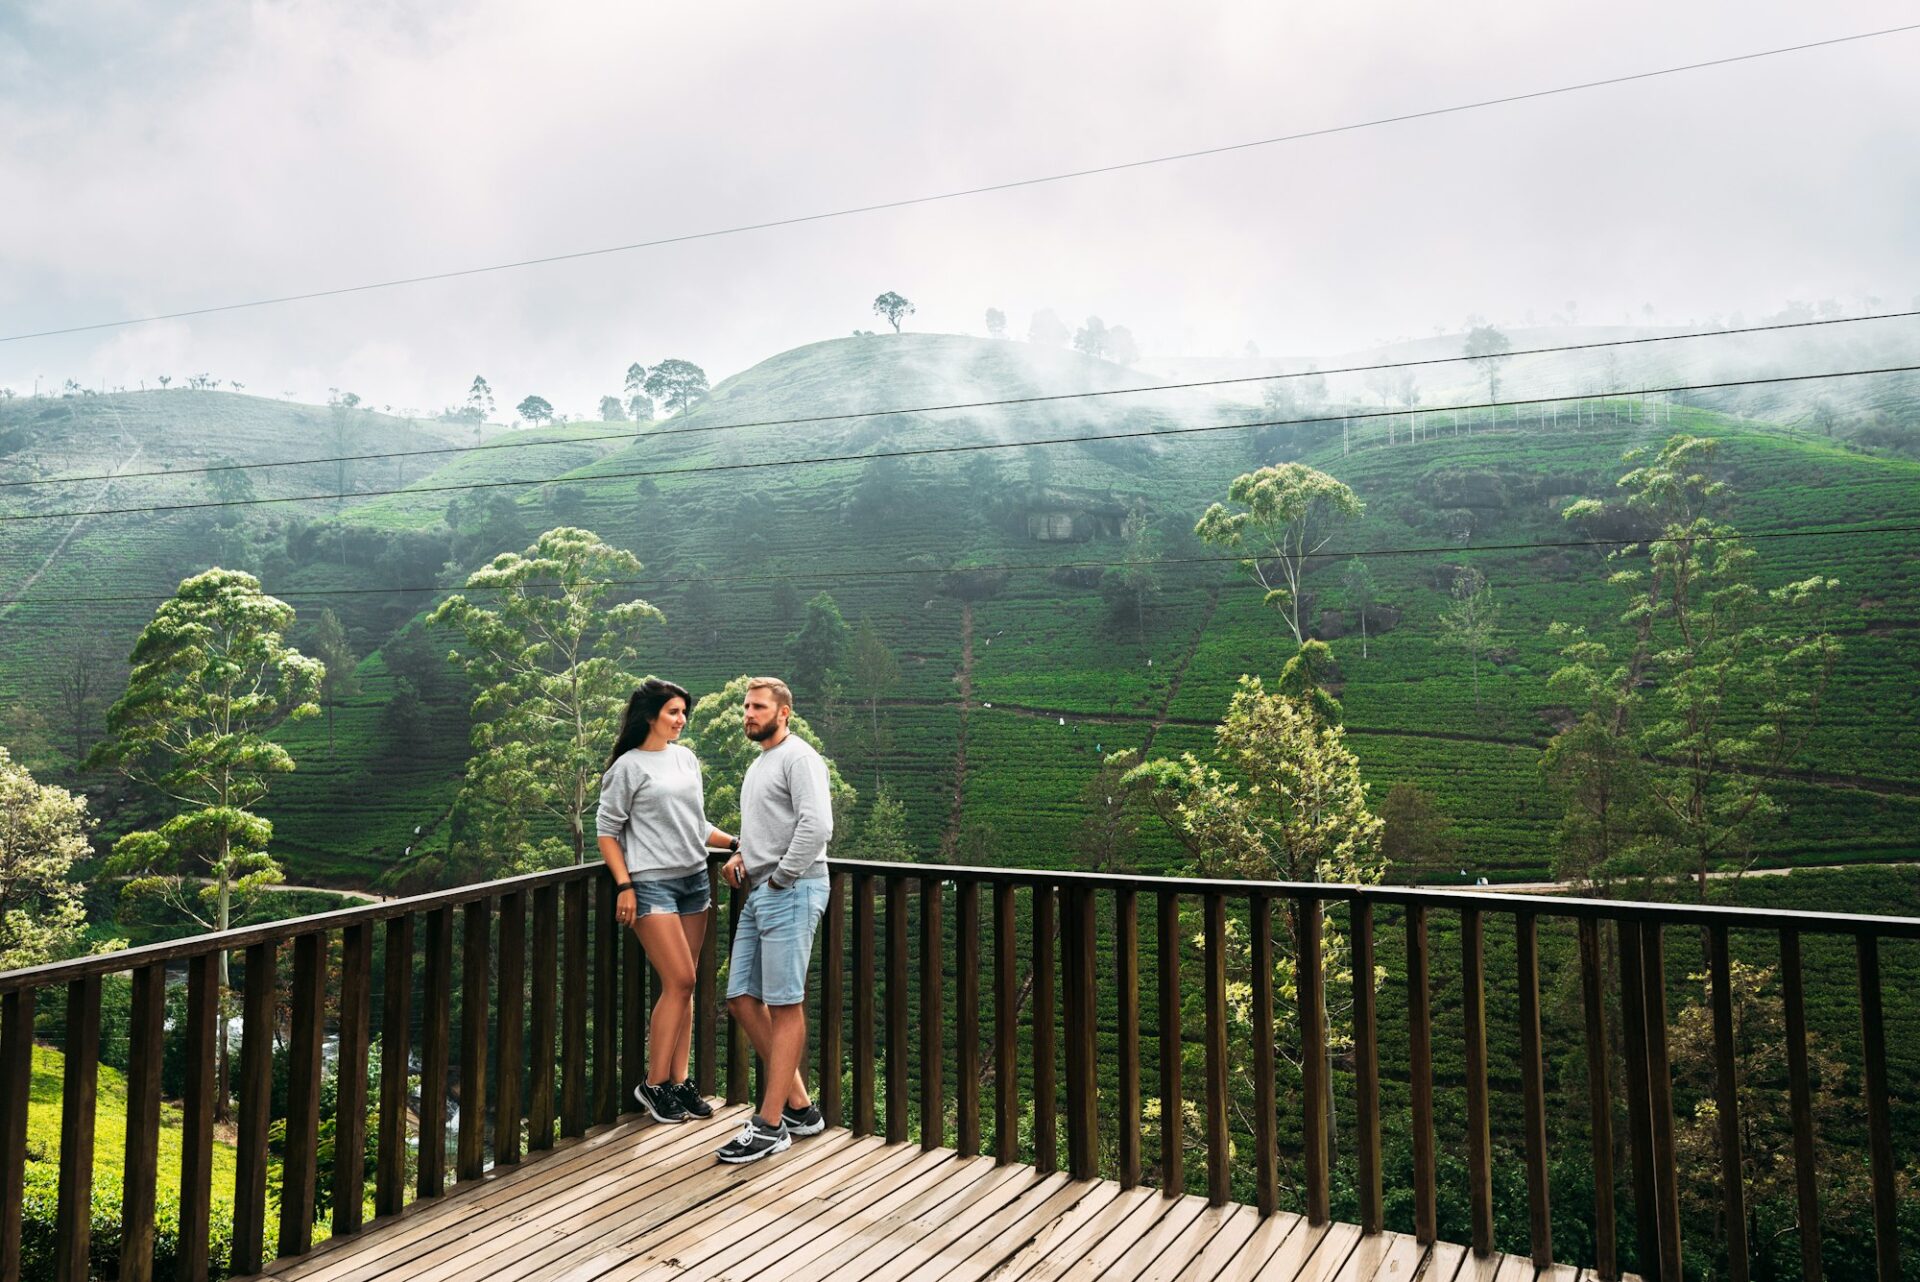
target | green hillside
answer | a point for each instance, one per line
(1055, 678)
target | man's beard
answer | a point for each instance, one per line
(764, 733)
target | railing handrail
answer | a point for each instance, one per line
(240, 937)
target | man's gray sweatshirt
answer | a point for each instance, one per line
(786, 813)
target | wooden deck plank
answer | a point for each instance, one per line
(639, 1202)
(495, 1206)
(1384, 1257)
(928, 1237)
(1242, 1226)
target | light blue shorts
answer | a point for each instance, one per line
(681, 895)
(774, 942)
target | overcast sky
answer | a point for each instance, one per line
(155, 158)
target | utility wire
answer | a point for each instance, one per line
(1001, 403)
(1015, 184)
(932, 450)
(770, 578)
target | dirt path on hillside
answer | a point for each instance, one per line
(1180, 673)
(106, 491)
(950, 839)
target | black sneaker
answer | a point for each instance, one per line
(690, 1099)
(756, 1140)
(662, 1101)
(802, 1121)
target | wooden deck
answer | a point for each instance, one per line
(641, 1201)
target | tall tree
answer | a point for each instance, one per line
(611, 410)
(342, 681)
(1470, 621)
(1091, 337)
(1290, 512)
(1592, 766)
(81, 683)
(996, 323)
(1122, 349)
(212, 678)
(1489, 347)
(1128, 588)
(43, 830)
(676, 384)
(872, 672)
(1728, 677)
(1110, 824)
(552, 658)
(893, 307)
(1362, 594)
(535, 409)
(479, 400)
(814, 652)
(1416, 837)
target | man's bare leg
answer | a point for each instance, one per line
(786, 1046)
(755, 1016)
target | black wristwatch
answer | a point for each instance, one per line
(774, 885)
(621, 887)
(733, 844)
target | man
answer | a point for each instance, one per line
(786, 818)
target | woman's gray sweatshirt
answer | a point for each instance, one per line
(655, 804)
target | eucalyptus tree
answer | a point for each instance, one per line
(552, 660)
(894, 307)
(1288, 513)
(676, 385)
(212, 679)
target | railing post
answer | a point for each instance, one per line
(542, 1018)
(299, 1171)
(1534, 1088)
(1311, 981)
(73, 1215)
(933, 1038)
(1215, 1101)
(1006, 1041)
(1479, 1139)
(436, 1036)
(1727, 1106)
(1660, 1098)
(738, 1058)
(1633, 1019)
(863, 998)
(1126, 956)
(1366, 1063)
(510, 1012)
(1873, 1040)
(396, 1010)
(1599, 1101)
(1800, 1103)
(606, 1004)
(1045, 1100)
(633, 1016)
(196, 1120)
(1266, 1148)
(833, 985)
(897, 982)
(1420, 1074)
(139, 1172)
(1083, 1116)
(350, 1093)
(256, 1081)
(966, 935)
(1173, 1127)
(471, 1156)
(16, 1088)
(574, 1105)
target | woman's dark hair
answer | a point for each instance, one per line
(645, 705)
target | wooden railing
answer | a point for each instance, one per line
(550, 998)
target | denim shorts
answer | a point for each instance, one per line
(682, 895)
(774, 942)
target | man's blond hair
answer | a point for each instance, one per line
(782, 696)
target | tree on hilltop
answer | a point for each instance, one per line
(479, 400)
(676, 385)
(1121, 347)
(1048, 329)
(1290, 512)
(1091, 337)
(893, 307)
(611, 410)
(996, 323)
(1490, 347)
(639, 404)
(535, 409)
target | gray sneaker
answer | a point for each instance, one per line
(802, 1121)
(756, 1140)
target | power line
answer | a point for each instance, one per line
(1015, 184)
(1001, 403)
(932, 450)
(770, 578)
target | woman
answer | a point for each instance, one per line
(654, 836)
